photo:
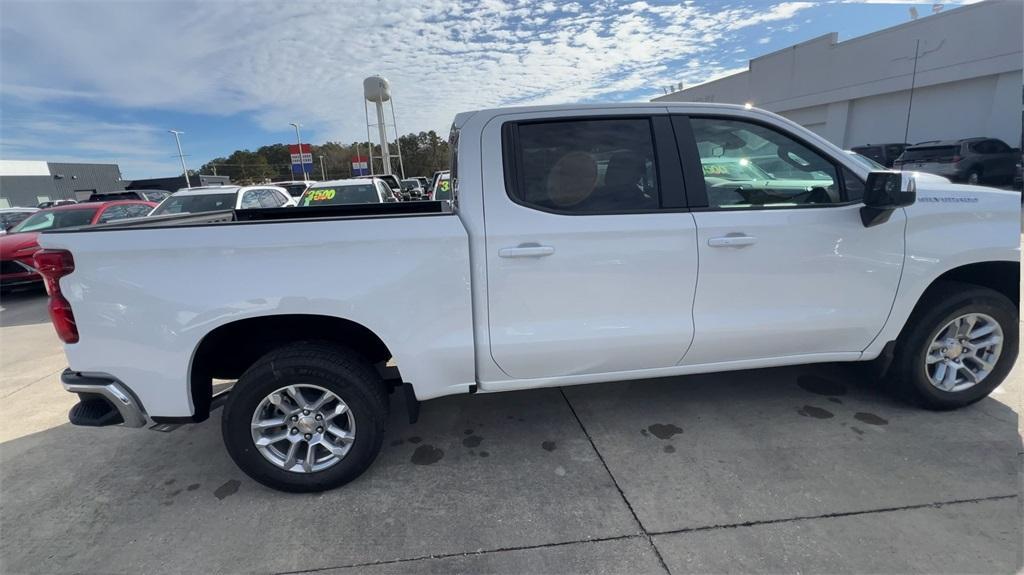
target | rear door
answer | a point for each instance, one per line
(999, 159)
(591, 257)
(786, 266)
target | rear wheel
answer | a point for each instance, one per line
(306, 417)
(958, 346)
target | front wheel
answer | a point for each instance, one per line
(306, 417)
(957, 347)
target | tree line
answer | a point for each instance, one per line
(422, 155)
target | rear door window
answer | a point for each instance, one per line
(251, 199)
(585, 166)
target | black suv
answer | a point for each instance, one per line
(144, 195)
(970, 160)
(884, 154)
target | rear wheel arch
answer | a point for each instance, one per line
(230, 349)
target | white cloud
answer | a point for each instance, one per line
(282, 62)
(139, 149)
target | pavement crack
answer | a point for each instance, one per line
(31, 383)
(615, 482)
(461, 554)
(934, 505)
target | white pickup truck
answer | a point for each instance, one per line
(583, 244)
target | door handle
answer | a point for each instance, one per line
(526, 251)
(732, 241)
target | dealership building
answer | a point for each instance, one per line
(954, 74)
(26, 183)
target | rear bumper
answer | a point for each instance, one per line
(111, 390)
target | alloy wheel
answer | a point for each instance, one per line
(303, 428)
(964, 352)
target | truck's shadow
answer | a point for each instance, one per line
(514, 469)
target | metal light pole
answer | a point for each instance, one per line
(181, 156)
(323, 172)
(298, 138)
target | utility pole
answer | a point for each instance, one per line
(298, 138)
(323, 172)
(181, 156)
(913, 81)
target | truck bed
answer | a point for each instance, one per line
(146, 293)
(348, 211)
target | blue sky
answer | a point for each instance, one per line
(104, 81)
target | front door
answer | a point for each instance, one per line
(786, 266)
(588, 268)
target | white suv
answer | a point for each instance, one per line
(214, 198)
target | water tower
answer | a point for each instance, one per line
(376, 89)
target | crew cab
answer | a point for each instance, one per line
(582, 244)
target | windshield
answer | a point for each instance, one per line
(56, 219)
(294, 190)
(196, 204)
(410, 184)
(443, 189)
(739, 170)
(335, 195)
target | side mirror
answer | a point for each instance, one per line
(885, 192)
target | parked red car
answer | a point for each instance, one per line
(19, 244)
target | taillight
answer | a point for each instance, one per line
(956, 159)
(53, 265)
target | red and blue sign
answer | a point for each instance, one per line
(301, 163)
(360, 166)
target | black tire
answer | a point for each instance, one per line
(340, 370)
(975, 174)
(942, 303)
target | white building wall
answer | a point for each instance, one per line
(968, 81)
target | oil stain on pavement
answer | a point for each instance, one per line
(664, 430)
(548, 445)
(472, 441)
(229, 488)
(815, 412)
(427, 455)
(870, 418)
(820, 385)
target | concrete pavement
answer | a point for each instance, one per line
(796, 469)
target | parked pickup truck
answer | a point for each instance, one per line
(580, 246)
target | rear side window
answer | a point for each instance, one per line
(586, 166)
(930, 153)
(893, 150)
(270, 199)
(873, 152)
